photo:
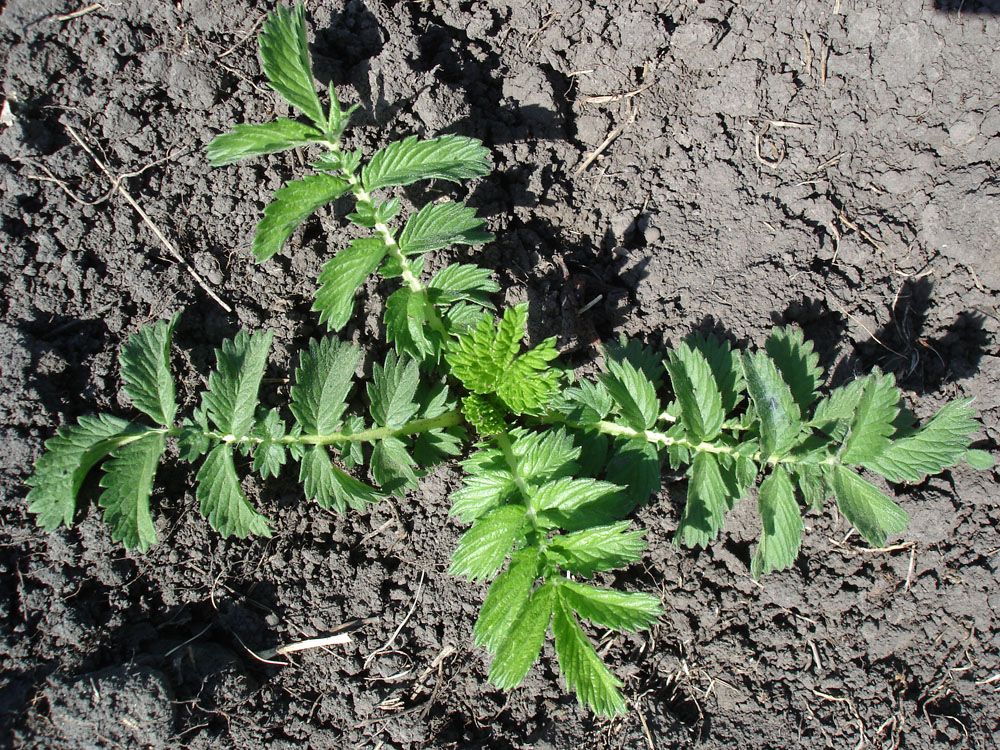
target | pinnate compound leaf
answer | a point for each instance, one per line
(617, 610)
(449, 157)
(709, 498)
(780, 419)
(292, 205)
(247, 141)
(331, 487)
(599, 548)
(392, 390)
(872, 513)
(145, 369)
(231, 399)
(322, 381)
(697, 393)
(633, 392)
(68, 458)
(128, 483)
(580, 665)
(508, 596)
(342, 275)
(483, 548)
(931, 448)
(284, 54)
(872, 422)
(797, 363)
(222, 499)
(438, 225)
(782, 524)
(523, 644)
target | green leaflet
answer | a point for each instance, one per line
(782, 524)
(145, 370)
(331, 487)
(284, 54)
(128, 484)
(599, 548)
(871, 425)
(580, 665)
(292, 205)
(872, 513)
(483, 548)
(697, 393)
(618, 610)
(523, 643)
(231, 400)
(392, 390)
(635, 467)
(462, 282)
(247, 141)
(507, 598)
(269, 455)
(575, 504)
(780, 419)
(641, 358)
(69, 456)
(725, 366)
(709, 498)
(342, 275)
(221, 497)
(449, 157)
(797, 363)
(322, 381)
(438, 225)
(392, 466)
(633, 392)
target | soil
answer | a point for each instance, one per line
(832, 165)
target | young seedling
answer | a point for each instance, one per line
(558, 465)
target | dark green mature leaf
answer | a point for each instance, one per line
(221, 497)
(782, 524)
(641, 357)
(834, 413)
(342, 275)
(392, 390)
(450, 157)
(330, 486)
(392, 466)
(438, 225)
(145, 369)
(935, 446)
(284, 54)
(269, 455)
(128, 482)
(600, 548)
(697, 393)
(780, 419)
(636, 467)
(523, 644)
(872, 422)
(231, 399)
(579, 663)
(483, 548)
(247, 141)
(725, 366)
(871, 512)
(608, 608)
(322, 381)
(507, 598)
(587, 403)
(69, 456)
(797, 363)
(709, 498)
(633, 392)
(292, 205)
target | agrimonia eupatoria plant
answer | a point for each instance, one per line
(559, 464)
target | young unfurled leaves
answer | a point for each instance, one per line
(292, 205)
(782, 524)
(449, 157)
(222, 499)
(145, 368)
(231, 398)
(247, 141)
(284, 54)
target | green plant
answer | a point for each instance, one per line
(558, 464)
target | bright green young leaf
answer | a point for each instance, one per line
(797, 363)
(872, 513)
(231, 399)
(284, 54)
(450, 157)
(221, 497)
(599, 548)
(342, 275)
(392, 466)
(483, 548)
(508, 597)
(247, 141)
(580, 665)
(543, 456)
(633, 392)
(392, 390)
(782, 524)
(484, 413)
(725, 366)
(528, 384)
(575, 504)
(438, 225)
(872, 423)
(487, 484)
(523, 644)
(935, 446)
(128, 483)
(463, 281)
(322, 381)
(331, 487)
(709, 498)
(145, 369)
(292, 205)
(69, 456)
(697, 393)
(780, 420)
(617, 610)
